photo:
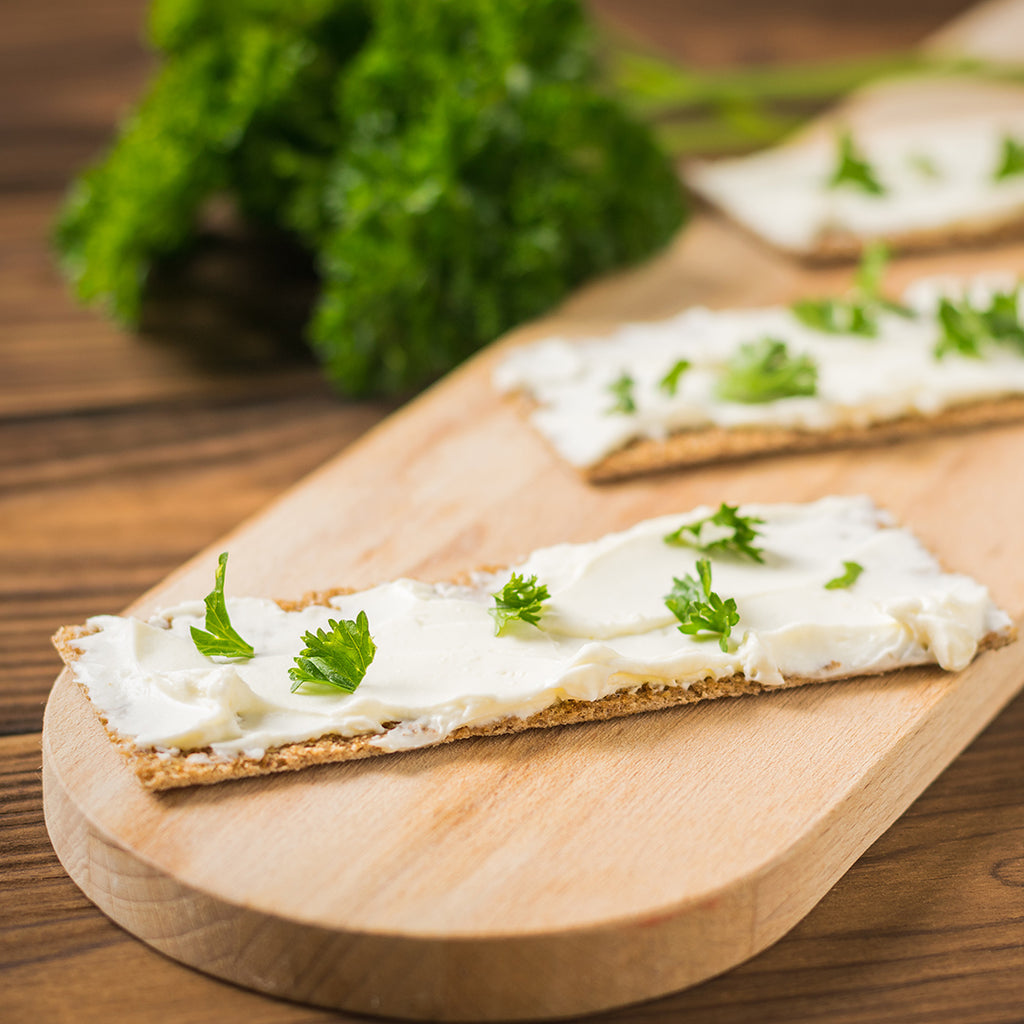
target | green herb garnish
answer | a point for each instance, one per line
(1011, 160)
(857, 313)
(338, 657)
(871, 271)
(220, 637)
(835, 316)
(670, 382)
(727, 517)
(1003, 316)
(852, 170)
(851, 570)
(764, 371)
(924, 165)
(963, 330)
(699, 609)
(520, 598)
(622, 391)
(966, 328)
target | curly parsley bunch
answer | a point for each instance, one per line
(453, 166)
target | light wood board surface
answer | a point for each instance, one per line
(554, 872)
(559, 872)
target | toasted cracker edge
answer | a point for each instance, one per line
(715, 444)
(839, 246)
(160, 770)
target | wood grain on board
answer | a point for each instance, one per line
(556, 872)
(119, 457)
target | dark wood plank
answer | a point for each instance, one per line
(226, 325)
(726, 33)
(65, 76)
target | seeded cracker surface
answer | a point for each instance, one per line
(160, 770)
(718, 444)
(843, 245)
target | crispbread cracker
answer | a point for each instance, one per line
(836, 245)
(891, 105)
(161, 770)
(720, 444)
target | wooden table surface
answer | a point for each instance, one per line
(121, 455)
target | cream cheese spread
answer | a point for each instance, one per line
(860, 380)
(606, 628)
(937, 176)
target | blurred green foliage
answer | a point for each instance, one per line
(454, 166)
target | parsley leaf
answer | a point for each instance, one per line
(835, 316)
(1011, 160)
(871, 271)
(622, 391)
(338, 658)
(851, 571)
(966, 328)
(520, 598)
(670, 382)
(925, 166)
(220, 637)
(857, 314)
(963, 329)
(740, 543)
(764, 371)
(699, 609)
(1003, 317)
(852, 170)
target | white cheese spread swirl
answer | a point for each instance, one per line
(606, 628)
(937, 176)
(861, 380)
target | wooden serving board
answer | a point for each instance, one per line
(557, 872)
